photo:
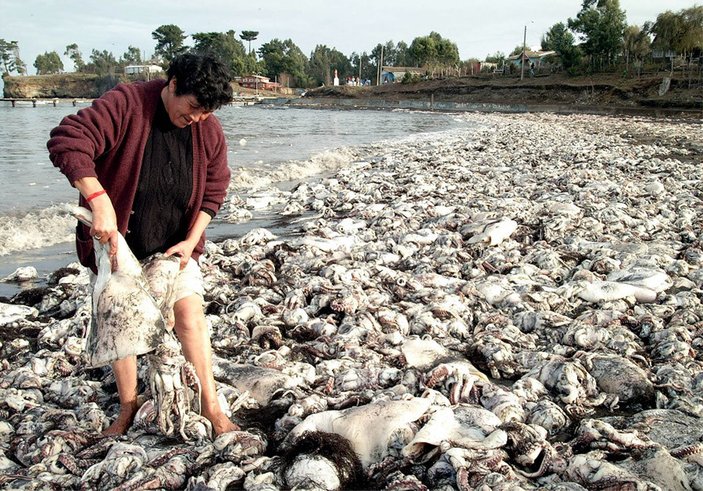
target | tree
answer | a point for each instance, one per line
(367, 72)
(692, 39)
(558, 38)
(74, 53)
(636, 45)
(101, 62)
(692, 42)
(324, 61)
(498, 57)
(48, 63)
(667, 31)
(435, 52)
(131, 57)
(393, 55)
(376, 61)
(10, 57)
(169, 41)
(402, 54)
(20, 66)
(423, 50)
(680, 32)
(285, 58)
(601, 24)
(249, 36)
(226, 47)
(390, 54)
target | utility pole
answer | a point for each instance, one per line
(380, 68)
(359, 79)
(522, 60)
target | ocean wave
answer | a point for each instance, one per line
(53, 225)
(36, 229)
(258, 177)
(254, 178)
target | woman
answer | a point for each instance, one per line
(150, 160)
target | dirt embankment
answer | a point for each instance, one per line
(642, 92)
(66, 85)
(552, 90)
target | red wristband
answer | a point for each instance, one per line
(95, 195)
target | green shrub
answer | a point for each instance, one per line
(410, 78)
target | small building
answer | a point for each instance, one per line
(658, 54)
(257, 82)
(538, 58)
(487, 66)
(139, 69)
(396, 73)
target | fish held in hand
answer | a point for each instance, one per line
(126, 319)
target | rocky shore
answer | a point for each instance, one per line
(516, 306)
(68, 85)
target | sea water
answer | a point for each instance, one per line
(267, 146)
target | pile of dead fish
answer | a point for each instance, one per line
(516, 306)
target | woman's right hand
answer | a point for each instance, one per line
(104, 227)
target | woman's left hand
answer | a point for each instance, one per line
(183, 249)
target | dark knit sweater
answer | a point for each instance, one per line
(165, 186)
(107, 141)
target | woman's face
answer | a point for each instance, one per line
(183, 110)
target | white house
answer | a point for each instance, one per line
(137, 69)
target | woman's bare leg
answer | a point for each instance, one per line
(192, 332)
(125, 371)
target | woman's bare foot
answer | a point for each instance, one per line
(221, 423)
(123, 421)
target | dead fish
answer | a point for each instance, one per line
(10, 313)
(25, 273)
(464, 426)
(390, 420)
(607, 291)
(261, 383)
(126, 319)
(424, 353)
(161, 272)
(492, 232)
(320, 460)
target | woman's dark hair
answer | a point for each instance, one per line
(203, 76)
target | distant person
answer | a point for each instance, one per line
(532, 69)
(150, 160)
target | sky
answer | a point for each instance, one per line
(478, 28)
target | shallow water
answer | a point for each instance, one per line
(257, 137)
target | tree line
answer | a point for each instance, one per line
(278, 59)
(597, 39)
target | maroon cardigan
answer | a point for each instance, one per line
(107, 140)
